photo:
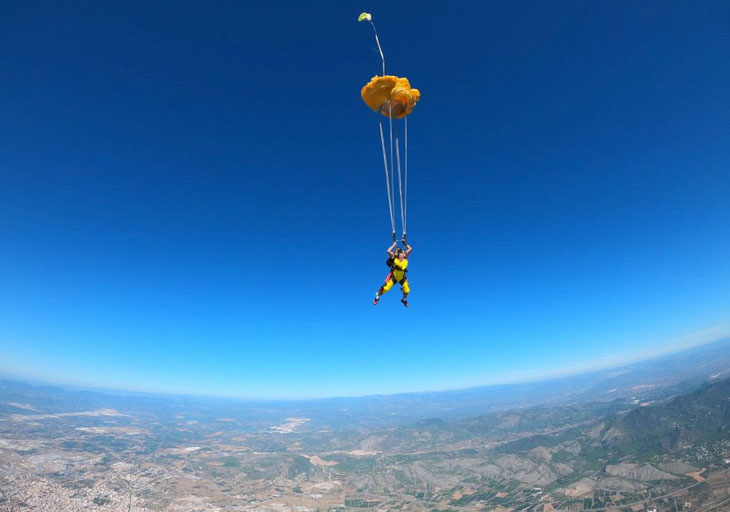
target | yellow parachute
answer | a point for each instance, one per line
(390, 95)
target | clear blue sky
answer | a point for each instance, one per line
(192, 196)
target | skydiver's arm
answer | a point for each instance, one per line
(408, 250)
(389, 250)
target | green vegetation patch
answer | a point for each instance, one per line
(361, 502)
(300, 465)
(355, 464)
(231, 462)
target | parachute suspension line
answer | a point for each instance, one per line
(400, 187)
(405, 211)
(392, 177)
(387, 180)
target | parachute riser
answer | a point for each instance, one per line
(392, 168)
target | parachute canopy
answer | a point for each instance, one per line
(390, 95)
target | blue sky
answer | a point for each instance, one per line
(192, 196)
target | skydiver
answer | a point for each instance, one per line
(398, 262)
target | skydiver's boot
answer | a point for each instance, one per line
(404, 301)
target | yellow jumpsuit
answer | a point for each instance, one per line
(397, 275)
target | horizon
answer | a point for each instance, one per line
(577, 372)
(192, 198)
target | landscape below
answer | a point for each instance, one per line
(650, 436)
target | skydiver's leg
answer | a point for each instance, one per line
(389, 282)
(406, 289)
(387, 286)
